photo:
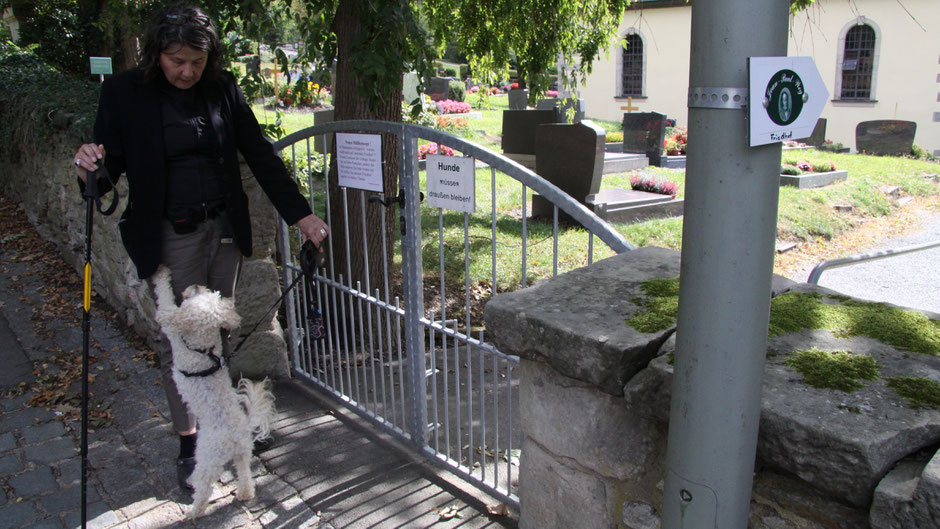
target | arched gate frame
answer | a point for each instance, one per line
(429, 377)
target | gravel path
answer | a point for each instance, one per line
(909, 280)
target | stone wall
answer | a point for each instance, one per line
(594, 406)
(41, 179)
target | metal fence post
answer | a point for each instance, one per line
(412, 283)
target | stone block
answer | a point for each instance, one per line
(553, 495)
(841, 443)
(575, 420)
(908, 496)
(586, 310)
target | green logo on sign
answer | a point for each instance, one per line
(784, 97)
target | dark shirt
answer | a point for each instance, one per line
(194, 174)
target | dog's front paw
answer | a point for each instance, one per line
(245, 493)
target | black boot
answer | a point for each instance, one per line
(184, 469)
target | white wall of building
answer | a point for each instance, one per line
(906, 81)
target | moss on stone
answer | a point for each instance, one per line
(660, 307)
(920, 392)
(836, 369)
(795, 311)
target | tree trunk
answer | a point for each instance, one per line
(349, 105)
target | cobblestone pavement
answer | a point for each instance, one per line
(326, 470)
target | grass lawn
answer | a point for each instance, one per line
(808, 216)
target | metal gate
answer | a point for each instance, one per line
(425, 372)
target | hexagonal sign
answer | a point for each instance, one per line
(786, 96)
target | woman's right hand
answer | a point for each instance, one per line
(87, 158)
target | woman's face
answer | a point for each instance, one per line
(183, 66)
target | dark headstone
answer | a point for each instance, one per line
(644, 133)
(320, 117)
(254, 64)
(561, 106)
(438, 87)
(572, 158)
(818, 137)
(886, 137)
(519, 129)
(518, 99)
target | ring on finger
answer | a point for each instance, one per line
(322, 231)
(78, 162)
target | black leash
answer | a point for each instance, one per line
(92, 200)
(310, 259)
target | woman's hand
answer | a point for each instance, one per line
(313, 228)
(87, 158)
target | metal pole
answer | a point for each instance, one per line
(727, 263)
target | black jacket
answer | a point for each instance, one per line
(129, 126)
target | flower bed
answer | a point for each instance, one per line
(449, 106)
(432, 148)
(661, 187)
(803, 174)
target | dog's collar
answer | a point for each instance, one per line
(217, 361)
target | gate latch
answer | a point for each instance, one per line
(388, 201)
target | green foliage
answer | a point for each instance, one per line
(839, 370)
(450, 71)
(660, 306)
(912, 331)
(790, 170)
(456, 91)
(614, 136)
(38, 100)
(920, 392)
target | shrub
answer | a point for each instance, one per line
(456, 91)
(614, 136)
(790, 170)
(828, 145)
(823, 167)
(662, 187)
(450, 71)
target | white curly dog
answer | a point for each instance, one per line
(229, 420)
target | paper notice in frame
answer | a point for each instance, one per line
(451, 182)
(359, 161)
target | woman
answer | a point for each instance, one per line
(175, 125)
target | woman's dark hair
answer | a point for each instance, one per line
(180, 25)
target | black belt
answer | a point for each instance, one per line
(187, 224)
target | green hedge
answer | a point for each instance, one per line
(37, 100)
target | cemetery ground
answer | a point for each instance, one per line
(883, 197)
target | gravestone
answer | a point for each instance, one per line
(885, 137)
(438, 87)
(561, 106)
(519, 129)
(518, 99)
(409, 82)
(572, 158)
(253, 65)
(818, 137)
(320, 117)
(644, 133)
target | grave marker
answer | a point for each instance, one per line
(644, 133)
(885, 137)
(572, 158)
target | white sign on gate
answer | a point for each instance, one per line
(359, 161)
(786, 95)
(451, 182)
